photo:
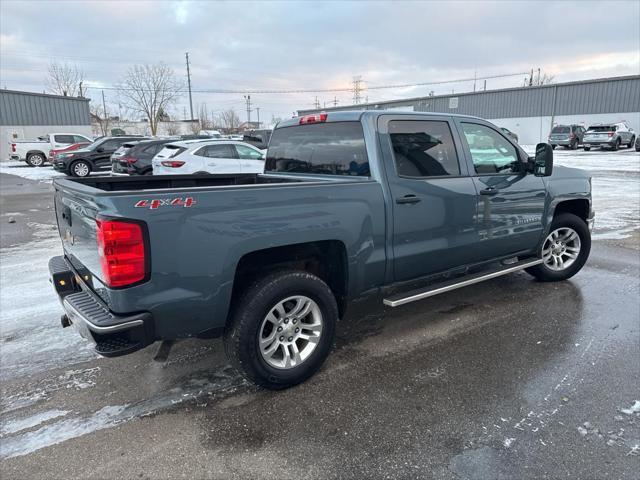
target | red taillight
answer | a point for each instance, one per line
(315, 118)
(172, 163)
(51, 153)
(129, 160)
(610, 134)
(13, 148)
(121, 251)
(571, 135)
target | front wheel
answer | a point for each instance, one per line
(282, 329)
(565, 250)
(80, 169)
(586, 149)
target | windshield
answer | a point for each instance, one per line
(561, 130)
(335, 148)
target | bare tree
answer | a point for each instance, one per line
(546, 79)
(172, 128)
(98, 115)
(229, 120)
(64, 79)
(150, 90)
(194, 126)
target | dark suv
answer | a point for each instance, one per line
(96, 157)
(137, 160)
(568, 136)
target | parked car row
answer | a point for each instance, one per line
(609, 135)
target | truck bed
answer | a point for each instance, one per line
(119, 184)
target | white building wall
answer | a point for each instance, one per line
(9, 134)
(532, 130)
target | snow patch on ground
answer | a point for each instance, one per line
(31, 338)
(18, 425)
(21, 169)
(224, 381)
(635, 408)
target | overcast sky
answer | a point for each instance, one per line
(313, 45)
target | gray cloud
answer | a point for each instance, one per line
(287, 45)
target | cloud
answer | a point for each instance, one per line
(293, 45)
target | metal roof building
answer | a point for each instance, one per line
(27, 116)
(533, 110)
(26, 108)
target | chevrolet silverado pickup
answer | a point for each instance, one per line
(395, 204)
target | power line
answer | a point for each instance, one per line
(341, 89)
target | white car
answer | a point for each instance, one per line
(208, 156)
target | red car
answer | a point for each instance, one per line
(73, 146)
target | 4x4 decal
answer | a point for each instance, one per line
(171, 202)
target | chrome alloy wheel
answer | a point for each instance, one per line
(561, 249)
(290, 332)
(81, 169)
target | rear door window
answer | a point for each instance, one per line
(247, 153)
(219, 151)
(423, 148)
(333, 148)
(80, 139)
(63, 139)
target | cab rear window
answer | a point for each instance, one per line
(334, 148)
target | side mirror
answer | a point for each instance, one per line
(543, 161)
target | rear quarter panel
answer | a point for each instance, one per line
(194, 251)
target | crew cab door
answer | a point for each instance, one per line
(434, 199)
(510, 201)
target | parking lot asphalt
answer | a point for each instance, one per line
(511, 378)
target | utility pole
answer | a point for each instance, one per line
(104, 105)
(189, 84)
(357, 90)
(80, 90)
(335, 101)
(317, 103)
(248, 100)
(485, 85)
(258, 112)
(538, 77)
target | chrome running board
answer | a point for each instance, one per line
(448, 285)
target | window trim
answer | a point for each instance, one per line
(427, 177)
(473, 172)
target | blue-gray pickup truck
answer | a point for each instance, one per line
(402, 205)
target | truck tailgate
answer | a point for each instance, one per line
(76, 217)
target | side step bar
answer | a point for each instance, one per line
(448, 285)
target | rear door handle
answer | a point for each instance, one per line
(408, 199)
(489, 191)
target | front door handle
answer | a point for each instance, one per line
(489, 191)
(408, 199)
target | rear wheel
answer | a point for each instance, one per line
(631, 143)
(574, 144)
(80, 168)
(586, 149)
(616, 145)
(35, 159)
(565, 250)
(282, 329)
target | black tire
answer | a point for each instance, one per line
(616, 145)
(586, 149)
(241, 336)
(574, 144)
(35, 159)
(148, 172)
(76, 168)
(545, 274)
(632, 142)
(553, 147)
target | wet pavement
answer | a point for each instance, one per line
(511, 378)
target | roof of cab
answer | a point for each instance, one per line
(357, 115)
